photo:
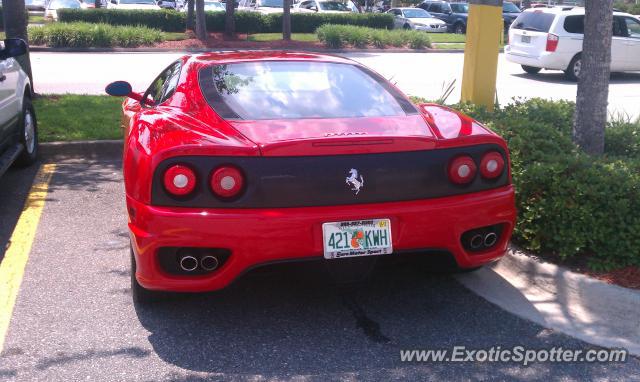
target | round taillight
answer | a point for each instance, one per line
(227, 181)
(179, 180)
(462, 170)
(491, 165)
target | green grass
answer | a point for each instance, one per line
(266, 37)
(175, 36)
(36, 19)
(449, 46)
(446, 37)
(78, 117)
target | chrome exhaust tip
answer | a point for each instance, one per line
(490, 239)
(209, 263)
(476, 241)
(188, 263)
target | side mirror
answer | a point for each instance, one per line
(13, 47)
(122, 89)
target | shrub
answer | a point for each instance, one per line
(81, 35)
(165, 20)
(252, 22)
(337, 36)
(569, 203)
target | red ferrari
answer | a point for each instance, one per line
(235, 160)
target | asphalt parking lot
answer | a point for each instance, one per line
(74, 317)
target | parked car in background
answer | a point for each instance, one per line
(51, 12)
(418, 19)
(34, 5)
(213, 6)
(261, 6)
(168, 4)
(87, 4)
(509, 13)
(456, 22)
(133, 4)
(551, 38)
(234, 160)
(322, 6)
(18, 127)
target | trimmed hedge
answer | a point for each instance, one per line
(81, 35)
(165, 20)
(571, 204)
(338, 36)
(252, 22)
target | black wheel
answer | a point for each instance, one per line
(406, 26)
(459, 28)
(574, 68)
(28, 134)
(139, 293)
(531, 69)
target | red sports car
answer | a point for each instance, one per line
(234, 160)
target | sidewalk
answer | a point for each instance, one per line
(554, 297)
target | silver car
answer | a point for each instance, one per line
(418, 19)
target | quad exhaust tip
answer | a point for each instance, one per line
(476, 241)
(490, 239)
(188, 263)
(209, 263)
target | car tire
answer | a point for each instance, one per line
(28, 134)
(406, 27)
(573, 70)
(459, 28)
(140, 294)
(531, 69)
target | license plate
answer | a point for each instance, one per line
(526, 39)
(357, 238)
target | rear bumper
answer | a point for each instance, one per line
(545, 60)
(259, 236)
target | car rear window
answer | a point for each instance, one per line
(534, 21)
(574, 24)
(297, 89)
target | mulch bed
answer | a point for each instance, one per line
(217, 40)
(628, 277)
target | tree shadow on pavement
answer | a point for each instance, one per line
(288, 320)
(557, 77)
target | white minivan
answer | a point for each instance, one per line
(551, 38)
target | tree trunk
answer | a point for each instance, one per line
(286, 20)
(590, 116)
(190, 14)
(15, 26)
(97, 4)
(201, 25)
(229, 21)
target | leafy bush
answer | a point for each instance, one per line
(165, 20)
(569, 203)
(634, 9)
(338, 36)
(252, 22)
(81, 35)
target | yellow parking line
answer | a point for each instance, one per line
(15, 258)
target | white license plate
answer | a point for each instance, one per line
(357, 238)
(526, 39)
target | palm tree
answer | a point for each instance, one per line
(201, 21)
(229, 21)
(286, 20)
(590, 116)
(190, 18)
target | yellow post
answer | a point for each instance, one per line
(484, 33)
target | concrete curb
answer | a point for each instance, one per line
(81, 150)
(552, 296)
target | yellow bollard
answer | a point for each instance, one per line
(484, 33)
